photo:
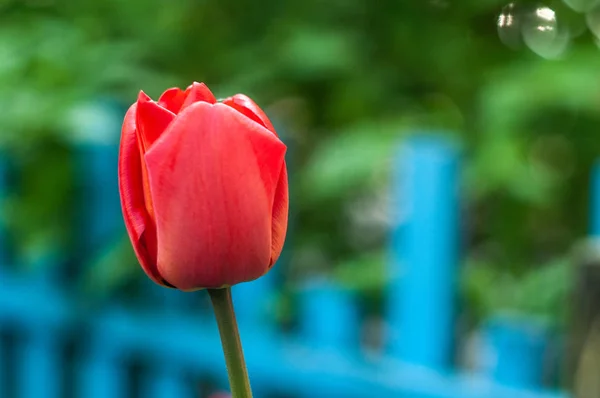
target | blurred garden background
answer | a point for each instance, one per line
(517, 85)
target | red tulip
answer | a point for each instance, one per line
(203, 188)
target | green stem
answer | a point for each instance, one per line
(230, 339)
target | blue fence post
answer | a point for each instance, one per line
(171, 300)
(424, 246)
(329, 317)
(255, 307)
(102, 373)
(255, 301)
(3, 366)
(516, 351)
(97, 134)
(166, 380)
(40, 366)
(595, 200)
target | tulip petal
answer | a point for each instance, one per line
(172, 99)
(197, 92)
(246, 106)
(132, 198)
(214, 224)
(280, 216)
(142, 96)
(151, 121)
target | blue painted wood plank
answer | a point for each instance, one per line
(517, 349)
(102, 374)
(166, 380)
(328, 316)
(99, 215)
(422, 295)
(255, 302)
(3, 367)
(40, 366)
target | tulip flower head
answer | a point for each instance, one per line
(204, 189)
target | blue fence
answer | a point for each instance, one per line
(168, 347)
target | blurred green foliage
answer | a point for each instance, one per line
(540, 292)
(348, 79)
